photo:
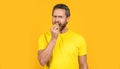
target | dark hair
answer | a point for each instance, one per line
(62, 6)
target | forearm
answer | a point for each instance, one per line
(45, 55)
(85, 66)
(83, 62)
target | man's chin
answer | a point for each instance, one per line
(62, 28)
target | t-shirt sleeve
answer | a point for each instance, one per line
(82, 48)
(42, 42)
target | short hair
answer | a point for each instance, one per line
(62, 6)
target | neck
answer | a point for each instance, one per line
(64, 30)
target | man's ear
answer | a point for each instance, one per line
(68, 19)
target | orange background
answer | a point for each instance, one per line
(22, 22)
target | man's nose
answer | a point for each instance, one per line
(57, 19)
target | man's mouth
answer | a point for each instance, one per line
(58, 24)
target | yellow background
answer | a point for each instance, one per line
(22, 22)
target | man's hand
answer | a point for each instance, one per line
(55, 31)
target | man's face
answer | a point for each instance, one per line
(60, 18)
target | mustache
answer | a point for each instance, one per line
(58, 23)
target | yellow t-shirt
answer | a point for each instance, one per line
(66, 51)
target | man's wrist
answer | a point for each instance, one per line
(53, 39)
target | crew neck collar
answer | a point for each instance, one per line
(63, 34)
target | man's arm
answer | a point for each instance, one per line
(45, 54)
(83, 62)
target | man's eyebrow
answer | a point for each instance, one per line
(54, 16)
(59, 16)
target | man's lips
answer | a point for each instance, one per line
(58, 24)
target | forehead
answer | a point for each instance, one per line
(59, 12)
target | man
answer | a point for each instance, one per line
(61, 48)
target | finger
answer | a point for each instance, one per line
(55, 25)
(56, 28)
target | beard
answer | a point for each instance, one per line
(62, 26)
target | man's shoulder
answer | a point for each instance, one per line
(45, 34)
(77, 35)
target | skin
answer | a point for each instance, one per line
(59, 21)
